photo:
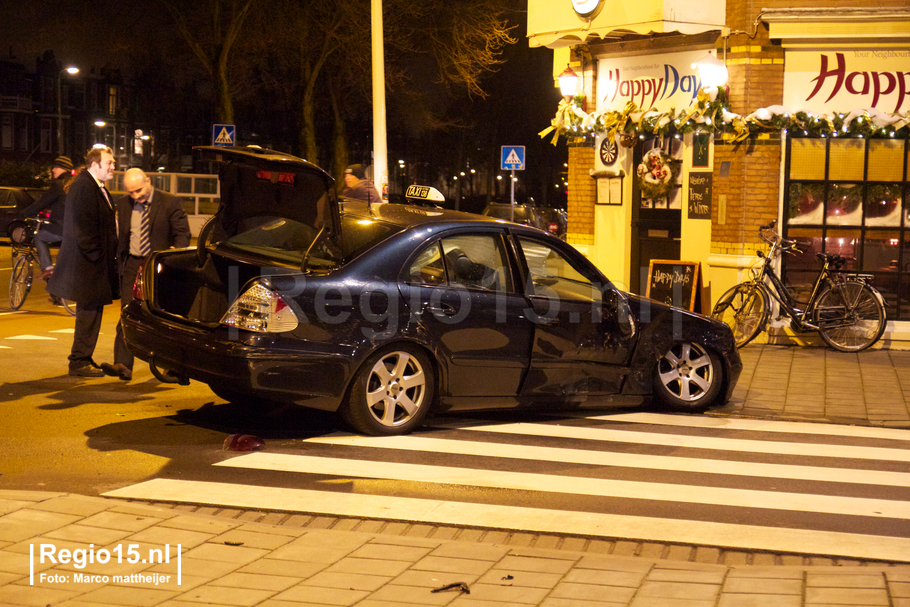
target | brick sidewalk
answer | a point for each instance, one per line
(236, 562)
(820, 384)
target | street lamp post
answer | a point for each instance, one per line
(70, 70)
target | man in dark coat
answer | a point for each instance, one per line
(86, 270)
(359, 187)
(53, 199)
(166, 226)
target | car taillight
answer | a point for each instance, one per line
(261, 310)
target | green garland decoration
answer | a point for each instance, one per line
(710, 113)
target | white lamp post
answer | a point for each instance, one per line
(70, 70)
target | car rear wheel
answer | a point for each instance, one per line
(688, 377)
(392, 392)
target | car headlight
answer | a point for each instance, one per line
(261, 310)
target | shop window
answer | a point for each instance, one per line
(807, 159)
(886, 160)
(845, 204)
(857, 205)
(847, 159)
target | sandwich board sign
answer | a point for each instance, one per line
(224, 135)
(513, 158)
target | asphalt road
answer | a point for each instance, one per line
(689, 479)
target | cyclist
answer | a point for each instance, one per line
(53, 200)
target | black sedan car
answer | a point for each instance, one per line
(385, 315)
(13, 200)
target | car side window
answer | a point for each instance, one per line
(472, 261)
(428, 267)
(552, 275)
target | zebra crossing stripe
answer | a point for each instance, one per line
(760, 425)
(520, 519)
(574, 485)
(698, 442)
(623, 460)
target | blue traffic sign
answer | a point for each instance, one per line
(513, 158)
(224, 135)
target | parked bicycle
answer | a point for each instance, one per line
(22, 241)
(847, 312)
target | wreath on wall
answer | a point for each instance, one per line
(657, 174)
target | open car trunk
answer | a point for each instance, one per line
(277, 213)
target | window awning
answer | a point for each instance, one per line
(812, 26)
(556, 24)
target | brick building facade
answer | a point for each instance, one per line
(775, 55)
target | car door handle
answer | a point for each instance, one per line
(445, 309)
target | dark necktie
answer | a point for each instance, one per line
(145, 243)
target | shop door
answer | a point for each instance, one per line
(656, 206)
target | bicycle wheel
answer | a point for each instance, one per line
(744, 308)
(20, 281)
(851, 319)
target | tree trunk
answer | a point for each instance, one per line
(341, 153)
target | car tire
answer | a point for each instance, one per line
(688, 377)
(392, 392)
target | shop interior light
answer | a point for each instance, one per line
(711, 71)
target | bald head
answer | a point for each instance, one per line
(137, 185)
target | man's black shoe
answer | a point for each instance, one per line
(86, 370)
(117, 370)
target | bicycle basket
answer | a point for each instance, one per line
(20, 232)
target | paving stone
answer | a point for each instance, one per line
(354, 581)
(847, 596)
(371, 567)
(452, 565)
(678, 590)
(225, 595)
(128, 596)
(765, 586)
(593, 592)
(257, 581)
(391, 552)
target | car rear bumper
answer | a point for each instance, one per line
(311, 379)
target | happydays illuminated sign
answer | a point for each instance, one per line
(843, 81)
(660, 82)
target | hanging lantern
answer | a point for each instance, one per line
(711, 71)
(568, 83)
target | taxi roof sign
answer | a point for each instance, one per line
(423, 192)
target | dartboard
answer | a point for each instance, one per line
(607, 151)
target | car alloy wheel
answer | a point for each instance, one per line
(392, 392)
(688, 377)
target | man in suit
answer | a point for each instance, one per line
(148, 220)
(86, 270)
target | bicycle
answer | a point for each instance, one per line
(22, 240)
(847, 313)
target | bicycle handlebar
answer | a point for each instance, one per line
(787, 246)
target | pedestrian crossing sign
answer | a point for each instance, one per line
(224, 135)
(513, 158)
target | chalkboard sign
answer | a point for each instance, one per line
(700, 195)
(674, 282)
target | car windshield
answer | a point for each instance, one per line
(287, 241)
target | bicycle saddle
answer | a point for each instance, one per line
(833, 259)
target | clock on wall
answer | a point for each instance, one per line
(586, 8)
(608, 151)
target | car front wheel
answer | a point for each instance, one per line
(688, 377)
(392, 392)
